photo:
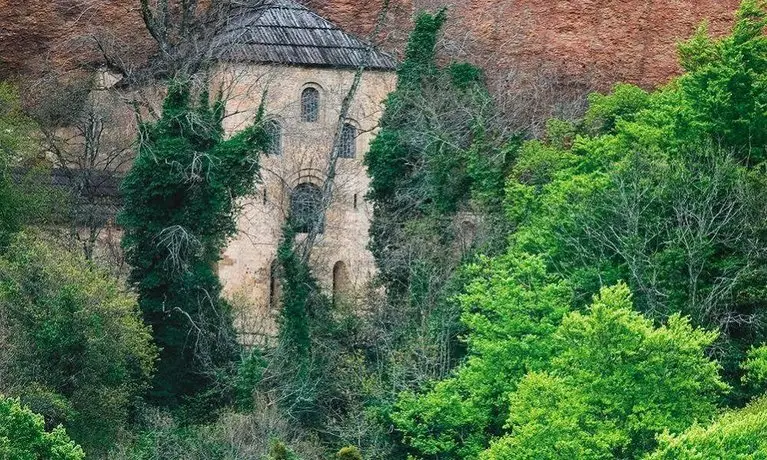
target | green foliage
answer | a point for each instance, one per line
(23, 436)
(755, 368)
(737, 434)
(615, 382)
(605, 111)
(250, 372)
(180, 207)
(636, 192)
(16, 128)
(349, 453)
(299, 291)
(20, 203)
(78, 350)
(511, 310)
(280, 451)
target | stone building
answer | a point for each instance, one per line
(304, 66)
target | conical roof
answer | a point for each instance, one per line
(286, 32)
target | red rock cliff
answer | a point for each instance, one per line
(628, 40)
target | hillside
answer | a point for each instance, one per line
(610, 39)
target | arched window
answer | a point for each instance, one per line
(310, 105)
(306, 208)
(274, 130)
(348, 147)
(342, 285)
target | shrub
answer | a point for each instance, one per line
(23, 436)
(77, 351)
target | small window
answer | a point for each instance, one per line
(274, 130)
(310, 105)
(306, 208)
(348, 147)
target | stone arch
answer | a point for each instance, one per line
(342, 283)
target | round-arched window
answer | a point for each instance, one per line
(348, 145)
(310, 104)
(306, 208)
(274, 131)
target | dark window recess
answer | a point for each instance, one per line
(348, 147)
(355, 201)
(310, 105)
(274, 130)
(306, 208)
(264, 195)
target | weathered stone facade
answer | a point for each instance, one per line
(340, 259)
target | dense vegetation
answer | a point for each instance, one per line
(180, 208)
(596, 292)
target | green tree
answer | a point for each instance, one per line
(511, 310)
(615, 382)
(755, 369)
(76, 349)
(657, 189)
(180, 208)
(19, 202)
(736, 434)
(23, 436)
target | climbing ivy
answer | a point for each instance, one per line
(180, 207)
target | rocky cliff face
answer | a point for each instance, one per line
(612, 40)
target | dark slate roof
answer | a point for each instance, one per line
(285, 32)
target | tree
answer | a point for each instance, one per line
(180, 207)
(88, 131)
(511, 310)
(648, 191)
(23, 436)
(22, 198)
(614, 383)
(735, 434)
(75, 348)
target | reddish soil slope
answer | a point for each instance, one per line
(630, 40)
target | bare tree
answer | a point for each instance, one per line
(87, 134)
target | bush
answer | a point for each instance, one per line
(23, 436)
(77, 349)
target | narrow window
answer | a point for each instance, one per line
(355, 201)
(348, 147)
(274, 130)
(310, 105)
(306, 208)
(264, 195)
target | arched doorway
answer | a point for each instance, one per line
(342, 285)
